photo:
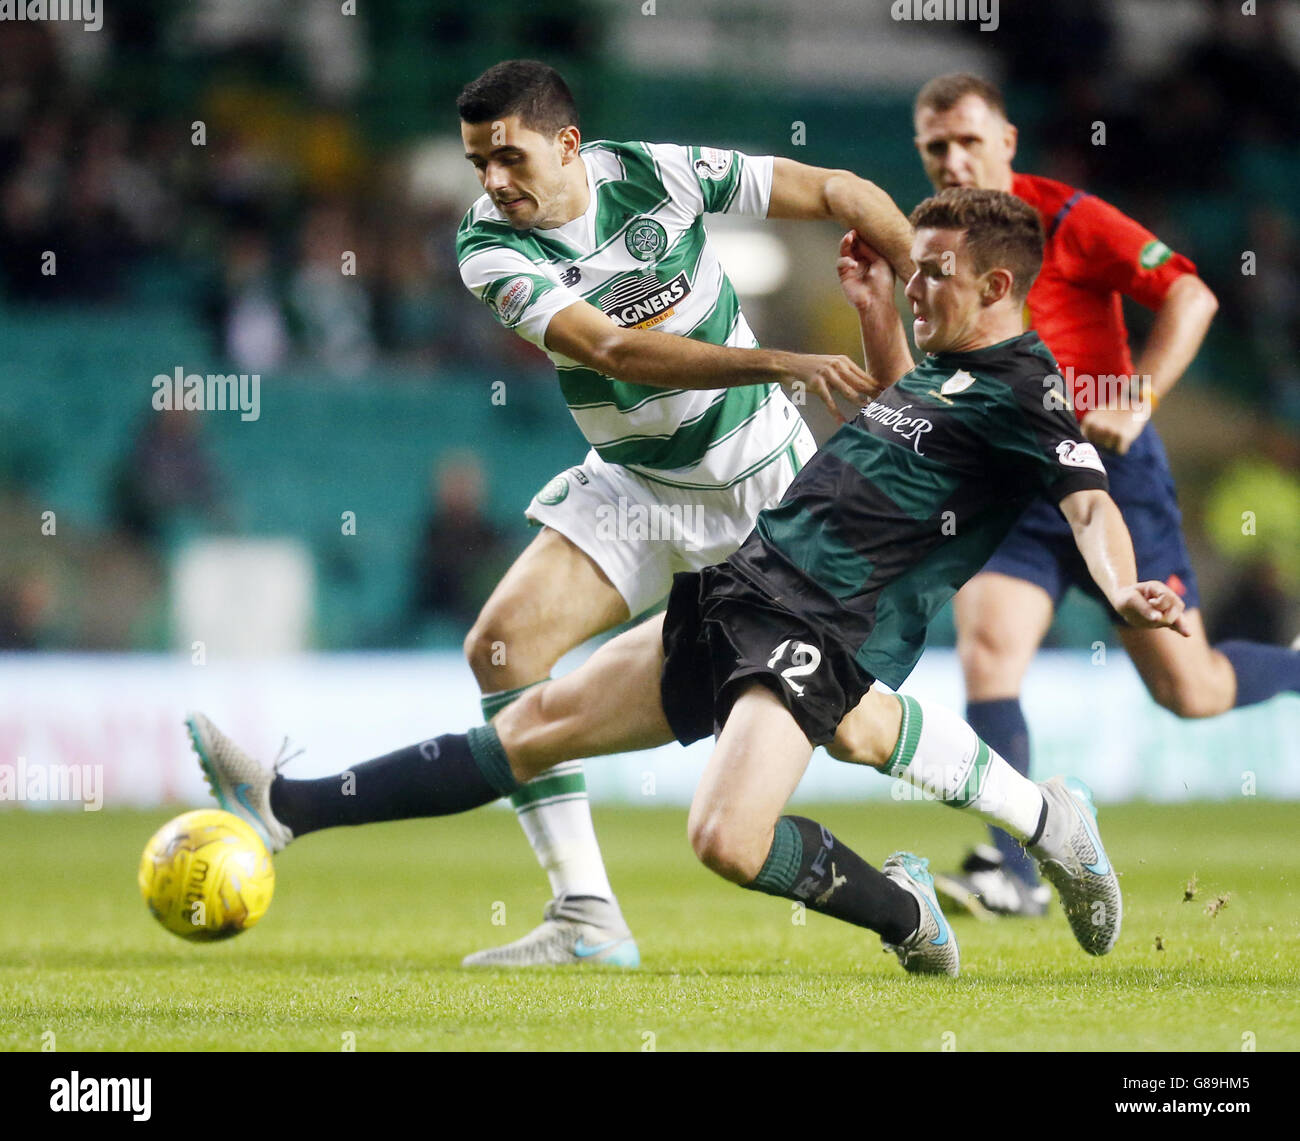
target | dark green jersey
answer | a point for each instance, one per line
(907, 502)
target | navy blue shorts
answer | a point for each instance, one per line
(1040, 548)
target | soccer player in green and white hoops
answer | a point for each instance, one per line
(592, 252)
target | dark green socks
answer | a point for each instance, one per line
(806, 863)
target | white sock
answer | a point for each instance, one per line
(556, 817)
(942, 755)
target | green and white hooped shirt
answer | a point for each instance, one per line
(640, 254)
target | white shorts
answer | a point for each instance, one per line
(641, 533)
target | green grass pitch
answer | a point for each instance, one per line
(362, 944)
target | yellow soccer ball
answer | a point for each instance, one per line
(207, 875)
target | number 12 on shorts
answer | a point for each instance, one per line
(804, 659)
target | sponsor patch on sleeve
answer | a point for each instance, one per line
(512, 298)
(1074, 454)
(1154, 254)
(713, 163)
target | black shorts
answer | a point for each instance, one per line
(722, 633)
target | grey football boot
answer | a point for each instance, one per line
(932, 948)
(575, 930)
(1070, 854)
(240, 782)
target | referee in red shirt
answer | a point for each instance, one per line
(1094, 255)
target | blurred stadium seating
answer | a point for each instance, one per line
(326, 127)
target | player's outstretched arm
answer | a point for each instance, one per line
(641, 356)
(867, 280)
(810, 193)
(1104, 542)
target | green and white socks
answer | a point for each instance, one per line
(940, 754)
(555, 814)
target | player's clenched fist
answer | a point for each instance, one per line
(824, 376)
(1114, 428)
(1152, 604)
(866, 276)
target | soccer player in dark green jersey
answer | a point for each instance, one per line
(776, 650)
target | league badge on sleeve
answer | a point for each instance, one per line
(1072, 453)
(511, 299)
(713, 163)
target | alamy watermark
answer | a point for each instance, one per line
(1083, 392)
(673, 523)
(950, 783)
(211, 393)
(985, 11)
(87, 12)
(42, 784)
(75, 1094)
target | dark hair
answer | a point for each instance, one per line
(1001, 230)
(945, 91)
(525, 87)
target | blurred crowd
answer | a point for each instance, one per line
(254, 203)
(258, 199)
(244, 207)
